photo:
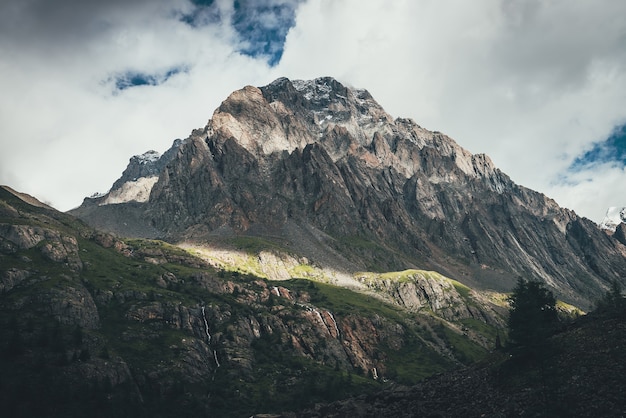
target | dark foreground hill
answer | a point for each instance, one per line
(581, 373)
(92, 324)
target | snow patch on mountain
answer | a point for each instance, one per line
(137, 190)
(614, 216)
(318, 88)
(148, 157)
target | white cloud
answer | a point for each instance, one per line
(65, 134)
(531, 83)
(602, 184)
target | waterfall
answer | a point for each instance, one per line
(319, 315)
(334, 322)
(206, 329)
(206, 326)
(321, 318)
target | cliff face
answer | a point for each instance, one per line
(316, 164)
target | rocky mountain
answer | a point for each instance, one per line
(139, 328)
(321, 171)
(148, 165)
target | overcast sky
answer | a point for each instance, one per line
(538, 85)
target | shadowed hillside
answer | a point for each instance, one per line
(142, 328)
(581, 373)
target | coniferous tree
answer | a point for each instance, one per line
(532, 317)
(613, 302)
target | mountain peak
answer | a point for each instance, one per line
(147, 157)
(320, 89)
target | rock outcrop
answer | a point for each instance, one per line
(54, 245)
(418, 291)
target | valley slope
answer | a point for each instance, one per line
(134, 327)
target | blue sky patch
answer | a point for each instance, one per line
(613, 149)
(130, 79)
(264, 27)
(205, 13)
(261, 25)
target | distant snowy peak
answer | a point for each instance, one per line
(148, 164)
(325, 89)
(319, 88)
(138, 178)
(614, 216)
(131, 191)
(147, 157)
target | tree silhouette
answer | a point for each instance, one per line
(532, 317)
(613, 302)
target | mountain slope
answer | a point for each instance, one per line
(143, 328)
(322, 169)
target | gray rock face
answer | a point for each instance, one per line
(22, 236)
(327, 157)
(427, 291)
(12, 277)
(55, 246)
(620, 233)
(70, 305)
(149, 164)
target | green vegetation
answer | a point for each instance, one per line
(376, 255)
(148, 295)
(414, 361)
(565, 371)
(463, 290)
(399, 276)
(613, 302)
(283, 380)
(254, 245)
(486, 330)
(343, 301)
(463, 348)
(359, 242)
(302, 270)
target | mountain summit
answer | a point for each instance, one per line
(320, 169)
